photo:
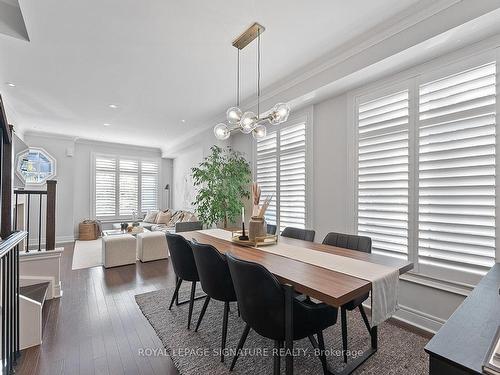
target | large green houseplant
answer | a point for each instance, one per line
(222, 181)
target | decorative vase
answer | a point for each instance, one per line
(256, 227)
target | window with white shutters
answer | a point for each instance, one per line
(129, 187)
(125, 185)
(426, 170)
(281, 172)
(382, 207)
(105, 186)
(149, 185)
(267, 172)
(456, 171)
(292, 181)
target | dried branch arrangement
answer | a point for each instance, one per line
(259, 211)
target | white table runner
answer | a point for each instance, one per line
(384, 279)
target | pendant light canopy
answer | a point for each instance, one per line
(249, 122)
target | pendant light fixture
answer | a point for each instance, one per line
(250, 122)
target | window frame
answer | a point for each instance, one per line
(117, 158)
(41, 150)
(304, 115)
(411, 80)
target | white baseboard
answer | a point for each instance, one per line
(59, 239)
(419, 319)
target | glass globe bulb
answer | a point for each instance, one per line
(259, 132)
(233, 115)
(280, 113)
(247, 122)
(221, 131)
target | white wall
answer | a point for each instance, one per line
(187, 156)
(74, 193)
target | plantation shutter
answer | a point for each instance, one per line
(105, 186)
(128, 187)
(267, 172)
(383, 171)
(292, 174)
(456, 222)
(149, 185)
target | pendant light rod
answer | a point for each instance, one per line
(238, 81)
(258, 73)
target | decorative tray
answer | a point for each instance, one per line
(267, 240)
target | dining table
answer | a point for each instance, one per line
(333, 287)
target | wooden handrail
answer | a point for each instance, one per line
(26, 192)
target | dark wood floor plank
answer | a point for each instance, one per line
(96, 327)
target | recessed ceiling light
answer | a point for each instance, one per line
(114, 106)
(106, 124)
(10, 84)
(183, 121)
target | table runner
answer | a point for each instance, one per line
(384, 279)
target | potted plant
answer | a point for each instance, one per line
(222, 181)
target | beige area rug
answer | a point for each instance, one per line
(87, 254)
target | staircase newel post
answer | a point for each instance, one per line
(51, 215)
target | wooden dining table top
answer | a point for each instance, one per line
(332, 287)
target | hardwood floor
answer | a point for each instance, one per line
(96, 326)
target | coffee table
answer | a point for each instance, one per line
(116, 232)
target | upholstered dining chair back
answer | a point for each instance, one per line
(299, 234)
(182, 257)
(214, 272)
(271, 229)
(260, 297)
(349, 241)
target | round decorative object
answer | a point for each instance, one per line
(259, 132)
(221, 131)
(248, 121)
(233, 115)
(280, 113)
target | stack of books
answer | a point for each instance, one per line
(492, 362)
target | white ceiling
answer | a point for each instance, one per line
(161, 61)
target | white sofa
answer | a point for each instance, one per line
(118, 250)
(151, 246)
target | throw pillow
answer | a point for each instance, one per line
(163, 217)
(151, 217)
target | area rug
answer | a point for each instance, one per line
(400, 351)
(87, 254)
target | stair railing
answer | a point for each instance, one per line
(9, 269)
(50, 214)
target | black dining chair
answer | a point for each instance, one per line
(261, 299)
(271, 229)
(357, 243)
(299, 234)
(181, 255)
(216, 282)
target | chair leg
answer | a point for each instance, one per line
(343, 313)
(202, 313)
(224, 331)
(240, 346)
(276, 357)
(365, 318)
(177, 296)
(176, 292)
(191, 303)
(313, 341)
(322, 355)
